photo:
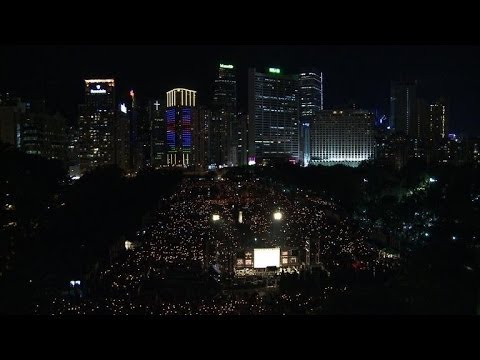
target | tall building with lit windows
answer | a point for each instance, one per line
(180, 116)
(437, 128)
(122, 138)
(242, 139)
(96, 124)
(310, 94)
(201, 137)
(273, 111)
(158, 134)
(435, 134)
(342, 137)
(223, 139)
(403, 107)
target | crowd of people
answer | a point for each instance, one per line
(168, 273)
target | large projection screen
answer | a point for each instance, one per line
(266, 257)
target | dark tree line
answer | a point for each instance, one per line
(64, 230)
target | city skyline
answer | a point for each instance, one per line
(359, 74)
(256, 180)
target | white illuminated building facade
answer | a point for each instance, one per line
(96, 124)
(180, 116)
(342, 137)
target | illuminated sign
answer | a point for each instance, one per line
(224, 66)
(90, 81)
(186, 129)
(274, 70)
(266, 257)
(123, 108)
(97, 91)
(171, 141)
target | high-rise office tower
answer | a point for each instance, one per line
(122, 138)
(41, 133)
(140, 135)
(45, 135)
(32, 126)
(29, 127)
(342, 137)
(438, 121)
(423, 118)
(180, 113)
(96, 124)
(12, 111)
(201, 137)
(158, 138)
(436, 132)
(310, 94)
(397, 150)
(72, 151)
(403, 106)
(242, 136)
(222, 126)
(273, 110)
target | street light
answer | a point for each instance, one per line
(215, 217)
(277, 215)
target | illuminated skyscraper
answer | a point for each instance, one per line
(96, 124)
(273, 110)
(437, 128)
(310, 84)
(310, 95)
(201, 137)
(242, 139)
(122, 138)
(180, 115)
(223, 133)
(435, 132)
(156, 114)
(403, 107)
(342, 137)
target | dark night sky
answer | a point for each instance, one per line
(352, 73)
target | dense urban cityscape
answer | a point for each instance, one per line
(278, 205)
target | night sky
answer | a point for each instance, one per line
(359, 74)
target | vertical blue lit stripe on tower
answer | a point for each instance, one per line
(187, 129)
(171, 130)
